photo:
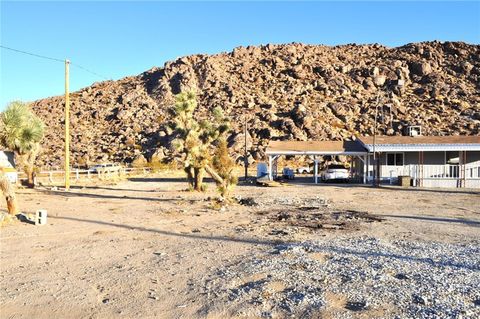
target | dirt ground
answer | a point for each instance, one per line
(143, 247)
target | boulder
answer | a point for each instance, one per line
(420, 68)
(139, 161)
(158, 156)
(379, 80)
(237, 142)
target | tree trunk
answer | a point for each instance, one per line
(12, 205)
(214, 174)
(199, 174)
(190, 179)
(26, 162)
(7, 189)
(29, 172)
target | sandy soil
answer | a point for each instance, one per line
(141, 248)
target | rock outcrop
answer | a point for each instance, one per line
(288, 92)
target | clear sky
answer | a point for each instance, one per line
(118, 39)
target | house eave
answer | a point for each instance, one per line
(421, 147)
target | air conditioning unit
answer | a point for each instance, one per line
(414, 130)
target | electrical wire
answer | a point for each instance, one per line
(32, 54)
(56, 60)
(89, 71)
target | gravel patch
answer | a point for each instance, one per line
(343, 278)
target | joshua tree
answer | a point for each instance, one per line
(224, 165)
(8, 191)
(195, 138)
(21, 132)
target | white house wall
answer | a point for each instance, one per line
(432, 162)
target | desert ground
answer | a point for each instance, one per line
(147, 248)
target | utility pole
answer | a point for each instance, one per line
(245, 155)
(67, 127)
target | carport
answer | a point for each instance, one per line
(276, 149)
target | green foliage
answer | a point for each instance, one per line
(20, 129)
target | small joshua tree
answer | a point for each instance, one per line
(195, 138)
(21, 132)
(225, 166)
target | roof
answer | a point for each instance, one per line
(422, 143)
(315, 148)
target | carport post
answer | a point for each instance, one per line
(270, 167)
(316, 171)
(365, 169)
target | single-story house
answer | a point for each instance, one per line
(430, 161)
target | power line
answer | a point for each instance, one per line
(89, 71)
(56, 60)
(32, 54)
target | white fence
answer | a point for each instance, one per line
(433, 171)
(57, 176)
(435, 175)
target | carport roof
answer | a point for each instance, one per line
(315, 148)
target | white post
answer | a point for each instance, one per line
(316, 171)
(414, 177)
(270, 164)
(368, 168)
(365, 169)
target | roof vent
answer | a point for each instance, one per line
(414, 130)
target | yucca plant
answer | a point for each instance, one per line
(21, 132)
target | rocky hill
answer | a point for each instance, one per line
(289, 92)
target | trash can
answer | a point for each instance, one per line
(404, 181)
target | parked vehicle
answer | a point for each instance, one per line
(305, 170)
(335, 172)
(288, 173)
(105, 168)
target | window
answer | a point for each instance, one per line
(390, 159)
(452, 157)
(395, 159)
(399, 159)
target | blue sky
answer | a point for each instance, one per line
(118, 39)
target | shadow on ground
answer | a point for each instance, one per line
(168, 233)
(468, 222)
(106, 196)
